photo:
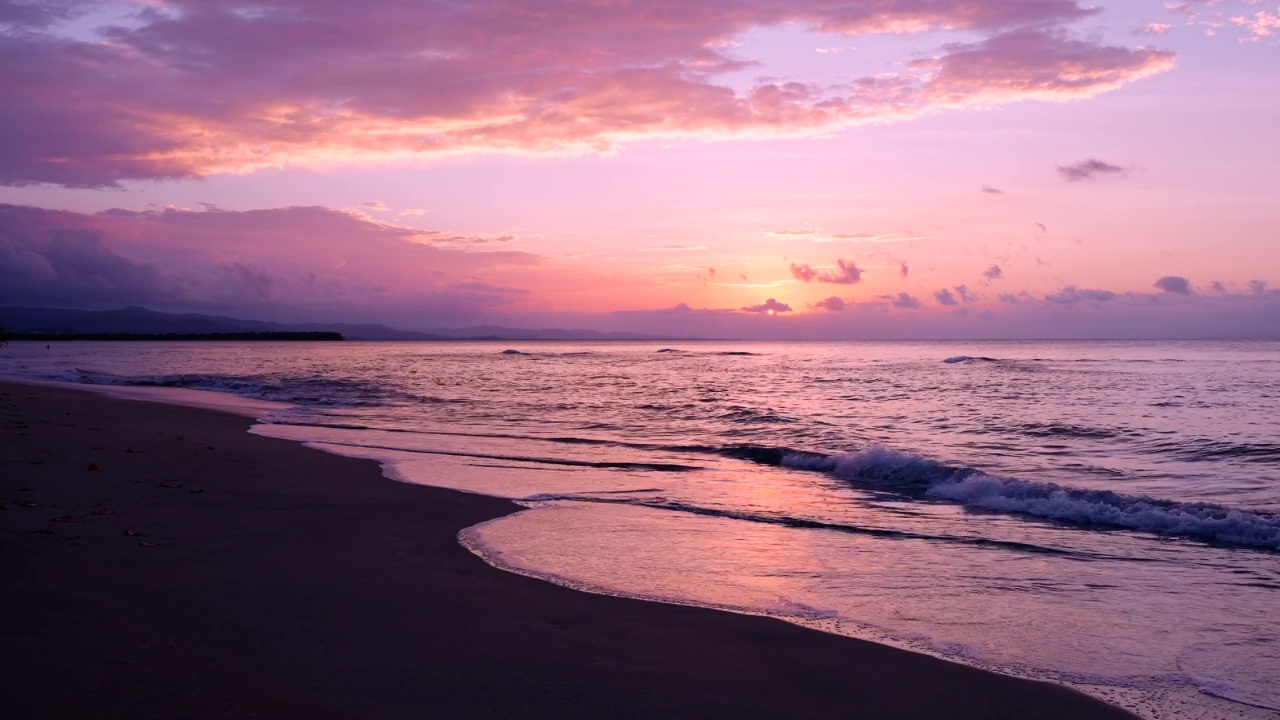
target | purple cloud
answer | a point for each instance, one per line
(768, 307)
(966, 297)
(1015, 298)
(1089, 170)
(993, 273)
(903, 300)
(992, 191)
(1174, 285)
(945, 297)
(1072, 294)
(903, 269)
(846, 273)
(831, 304)
(72, 265)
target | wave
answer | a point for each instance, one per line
(746, 415)
(885, 469)
(879, 468)
(609, 465)
(890, 469)
(311, 391)
(804, 523)
(1053, 429)
(727, 353)
(969, 359)
(1207, 450)
(544, 354)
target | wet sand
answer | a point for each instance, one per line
(269, 580)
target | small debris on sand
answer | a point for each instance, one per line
(131, 533)
(144, 543)
(94, 467)
(67, 519)
(167, 484)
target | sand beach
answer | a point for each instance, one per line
(159, 561)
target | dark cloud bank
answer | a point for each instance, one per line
(308, 262)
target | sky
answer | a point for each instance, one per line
(788, 169)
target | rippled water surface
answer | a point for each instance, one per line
(1105, 515)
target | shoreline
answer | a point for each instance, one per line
(298, 583)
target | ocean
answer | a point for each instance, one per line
(1104, 515)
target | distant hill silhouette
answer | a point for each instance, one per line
(135, 320)
(269, 336)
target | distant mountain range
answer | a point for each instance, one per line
(141, 320)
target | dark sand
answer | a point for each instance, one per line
(298, 584)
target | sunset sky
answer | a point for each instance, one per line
(768, 168)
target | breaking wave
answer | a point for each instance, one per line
(891, 469)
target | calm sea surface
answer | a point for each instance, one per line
(1100, 514)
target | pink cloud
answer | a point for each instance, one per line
(197, 87)
(804, 273)
(1261, 24)
(845, 273)
(1034, 64)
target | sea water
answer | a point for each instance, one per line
(1104, 515)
